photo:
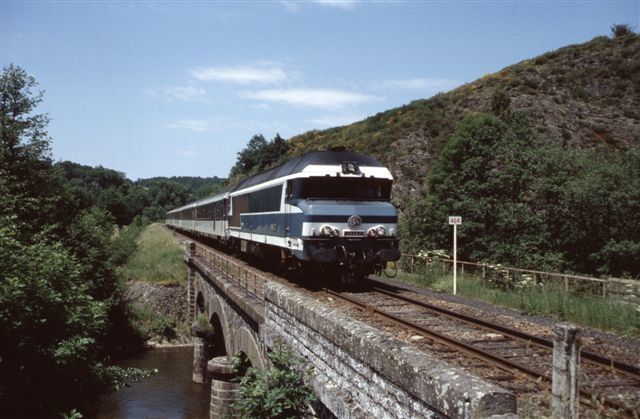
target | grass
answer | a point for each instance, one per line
(551, 301)
(151, 325)
(158, 258)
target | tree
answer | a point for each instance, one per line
(23, 135)
(49, 325)
(250, 156)
(484, 174)
(25, 157)
(59, 283)
(276, 150)
(259, 154)
(530, 203)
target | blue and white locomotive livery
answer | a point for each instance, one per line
(325, 209)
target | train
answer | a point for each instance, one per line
(324, 211)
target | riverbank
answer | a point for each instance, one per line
(156, 294)
(159, 313)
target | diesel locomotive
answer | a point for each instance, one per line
(324, 211)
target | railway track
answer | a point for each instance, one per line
(516, 360)
(517, 355)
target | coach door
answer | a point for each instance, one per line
(287, 208)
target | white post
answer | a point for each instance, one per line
(454, 221)
(565, 394)
(455, 258)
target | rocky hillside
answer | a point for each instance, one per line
(585, 95)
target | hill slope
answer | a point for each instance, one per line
(580, 96)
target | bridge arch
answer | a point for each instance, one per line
(233, 333)
(216, 342)
(245, 342)
(200, 306)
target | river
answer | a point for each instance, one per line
(168, 394)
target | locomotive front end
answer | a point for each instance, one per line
(345, 217)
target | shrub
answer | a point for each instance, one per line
(500, 102)
(278, 392)
(620, 30)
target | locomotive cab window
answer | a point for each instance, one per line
(341, 188)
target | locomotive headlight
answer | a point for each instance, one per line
(328, 231)
(377, 231)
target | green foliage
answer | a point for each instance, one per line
(59, 284)
(25, 157)
(529, 203)
(500, 102)
(203, 327)
(120, 377)
(278, 392)
(73, 414)
(125, 200)
(49, 324)
(151, 325)
(620, 30)
(259, 154)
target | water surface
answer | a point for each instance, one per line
(168, 394)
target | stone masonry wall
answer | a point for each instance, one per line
(362, 372)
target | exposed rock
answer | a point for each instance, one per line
(170, 301)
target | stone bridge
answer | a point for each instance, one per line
(356, 371)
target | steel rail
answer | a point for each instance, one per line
(621, 367)
(479, 353)
(492, 359)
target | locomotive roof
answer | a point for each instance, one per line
(298, 164)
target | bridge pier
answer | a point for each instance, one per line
(224, 391)
(199, 359)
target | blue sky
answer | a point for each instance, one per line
(178, 88)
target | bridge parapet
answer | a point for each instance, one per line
(370, 370)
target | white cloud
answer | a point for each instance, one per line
(240, 74)
(336, 120)
(290, 5)
(428, 84)
(295, 5)
(197, 125)
(316, 98)
(342, 4)
(186, 93)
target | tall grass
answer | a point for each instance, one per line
(158, 258)
(548, 300)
